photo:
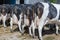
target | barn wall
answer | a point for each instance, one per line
(24, 1)
(9, 1)
(47, 1)
(17, 1)
(32, 1)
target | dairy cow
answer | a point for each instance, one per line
(3, 14)
(50, 16)
(16, 16)
(28, 16)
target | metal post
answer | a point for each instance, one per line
(17, 1)
(32, 1)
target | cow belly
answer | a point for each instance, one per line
(54, 22)
(36, 21)
(15, 20)
(26, 22)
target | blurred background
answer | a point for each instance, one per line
(26, 1)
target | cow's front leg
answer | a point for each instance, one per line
(57, 29)
(33, 28)
(30, 29)
(40, 33)
(19, 25)
(11, 24)
(4, 20)
(23, 29)
(40, 27)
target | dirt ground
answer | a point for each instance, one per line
(16, 35)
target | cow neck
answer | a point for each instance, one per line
(28, 13)
(33, 14)
(3, 13)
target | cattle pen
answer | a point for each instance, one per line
(29, 19)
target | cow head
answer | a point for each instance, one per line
(29, 10)
(39, 9)
(15, 9)
(4, 10)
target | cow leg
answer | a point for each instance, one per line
(11, 24)
(40, 27)
(23, 28)
(33, 28)
(57, 29)
(19, 24)
(4, 20)
(40, 33)
(30, 33)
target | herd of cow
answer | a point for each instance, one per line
(31, 15)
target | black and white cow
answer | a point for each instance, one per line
(53, 16)
(28, 17)
(33, 16)
(39, 8)
(16, 16)
(50, 15)
(3, 14)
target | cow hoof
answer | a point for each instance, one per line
(30, 35)
(11, 31)
(39, 39)
(4, 28)
(33, 36)
(56, 34)
(22, 34)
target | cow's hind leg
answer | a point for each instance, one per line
(30, 29)
(57, 29)
(19, 25)
(23, 29)
(11, 24)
